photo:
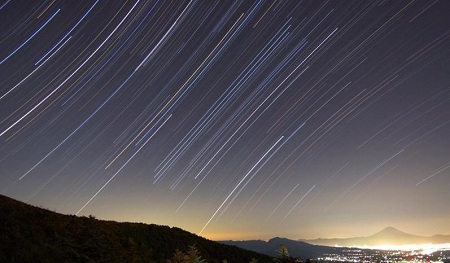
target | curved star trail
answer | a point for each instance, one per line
(233, 120)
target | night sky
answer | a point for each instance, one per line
(231, 120)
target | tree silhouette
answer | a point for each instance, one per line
(283, 255)
(191, 256)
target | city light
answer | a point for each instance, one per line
(425, 249)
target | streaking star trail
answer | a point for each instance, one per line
(233, 120)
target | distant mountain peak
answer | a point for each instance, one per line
(390, 228)
(388, 236)
(390, 231)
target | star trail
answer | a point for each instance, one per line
(230, 119)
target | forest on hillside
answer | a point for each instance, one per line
(32, 234)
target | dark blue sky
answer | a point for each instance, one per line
(233, 120)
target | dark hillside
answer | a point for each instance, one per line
(297, 249)
(31, 234)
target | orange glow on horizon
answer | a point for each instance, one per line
(235, 236)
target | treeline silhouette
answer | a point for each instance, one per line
(32, 234)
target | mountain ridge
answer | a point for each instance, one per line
(33, 234)
(387, 236)
(297, 249)
(319, 247)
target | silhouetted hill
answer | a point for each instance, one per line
(31, 234)
(311, 249)
(387, 236)
(297, 249)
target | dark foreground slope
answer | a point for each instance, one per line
(31, 234)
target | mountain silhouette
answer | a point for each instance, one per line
(32, 234)
(297, 249)
(307, 249)
(387, 236)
